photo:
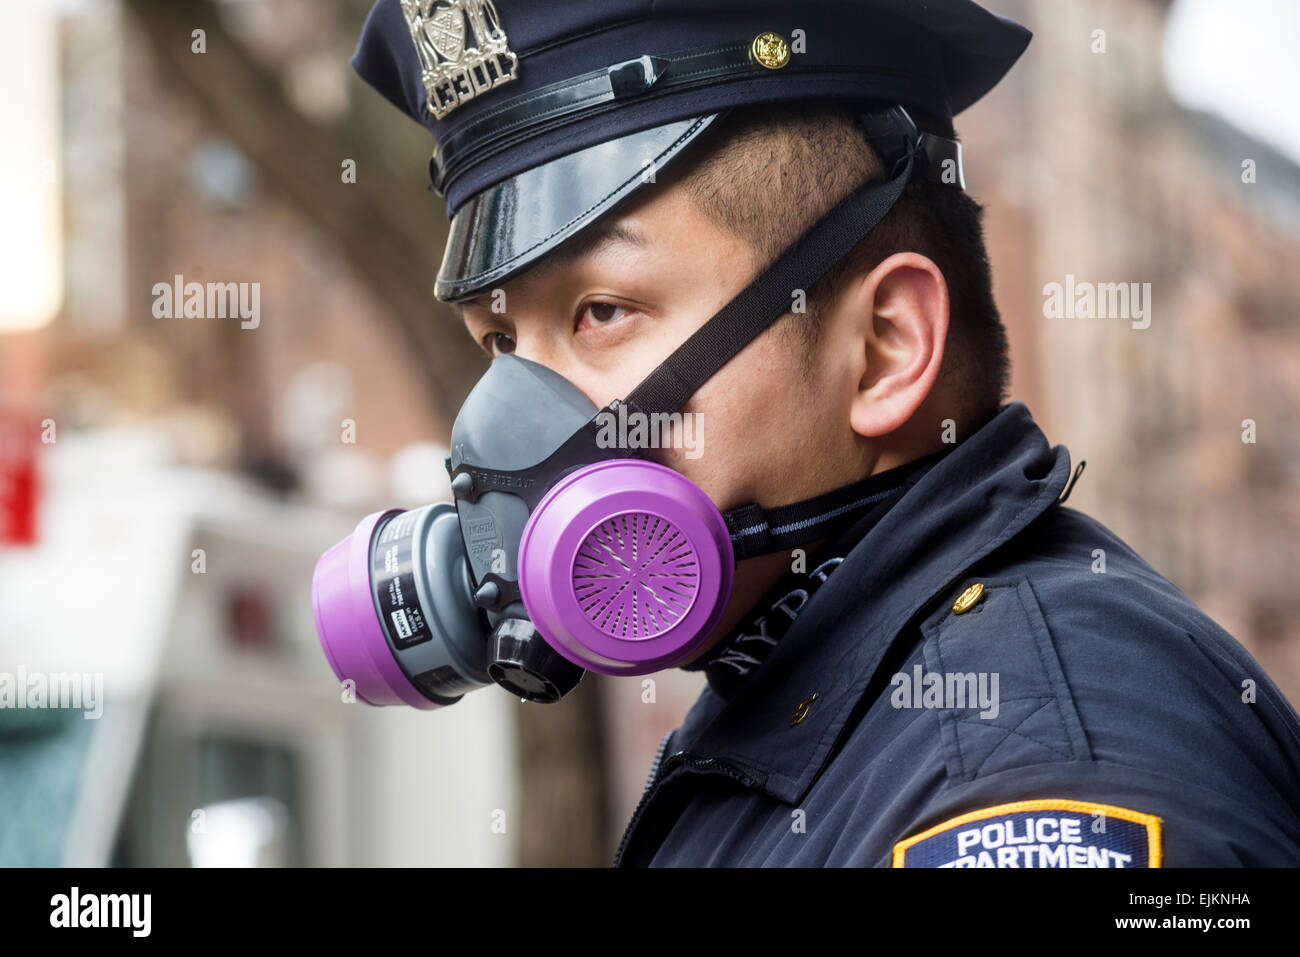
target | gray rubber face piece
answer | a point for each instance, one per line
(515, 417)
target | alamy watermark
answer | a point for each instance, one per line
(75, 909)
(42, 689)
(948, 689)
(1076, 299)
(654, 430)
(214, 300)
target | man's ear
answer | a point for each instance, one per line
(899, 330)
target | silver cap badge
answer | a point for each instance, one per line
(462, 50)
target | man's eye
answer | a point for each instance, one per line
(601, 313)
(498, 344)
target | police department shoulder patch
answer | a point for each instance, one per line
(1052, 832)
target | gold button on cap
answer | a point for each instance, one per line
(770, 50)
(969, 598)
(802, 708)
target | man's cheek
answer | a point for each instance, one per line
(708, 471)
(693, 436)
(684, 435)
(680, 461)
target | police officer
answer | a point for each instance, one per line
(761, 203)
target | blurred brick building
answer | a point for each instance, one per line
(1089, 168)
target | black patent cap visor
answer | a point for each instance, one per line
(508, 227)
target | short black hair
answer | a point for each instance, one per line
(772, 170)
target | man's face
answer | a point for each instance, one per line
(608, 308)
(772, 426)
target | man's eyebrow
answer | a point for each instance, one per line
(609, 233)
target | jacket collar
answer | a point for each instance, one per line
(983, 493)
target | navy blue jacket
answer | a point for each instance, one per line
(1127, 729)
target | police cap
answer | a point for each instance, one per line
(547, 113)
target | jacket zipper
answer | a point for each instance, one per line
(658, 769)
(645, 793)
(654, 767)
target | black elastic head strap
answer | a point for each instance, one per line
(756, 530)
(769, 295)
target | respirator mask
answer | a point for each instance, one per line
(561, 554)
